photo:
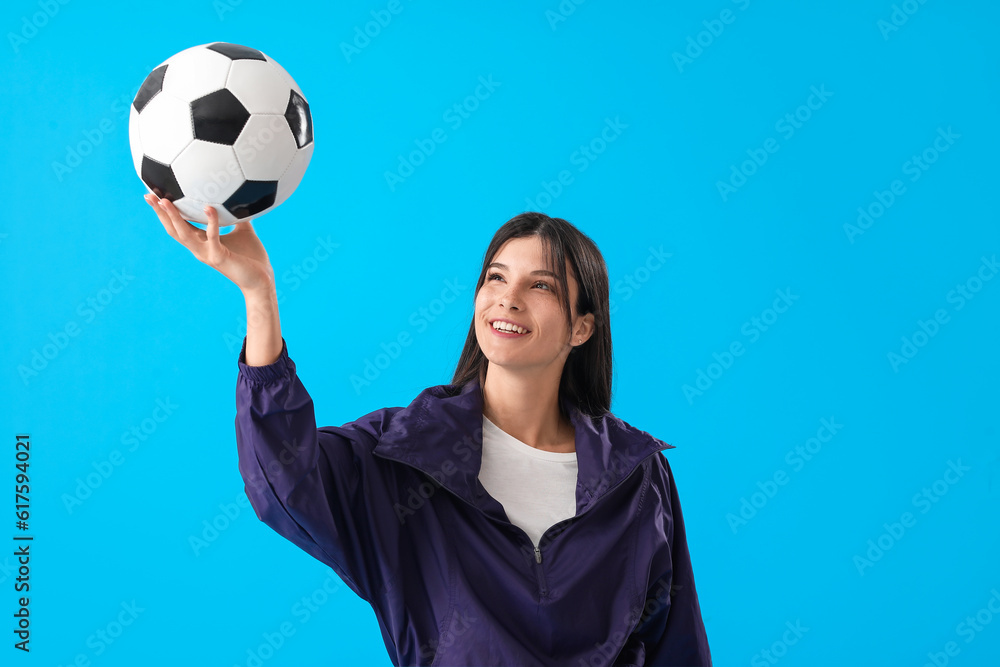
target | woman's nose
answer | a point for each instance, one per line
(510, 298)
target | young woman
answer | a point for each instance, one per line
(507, 518)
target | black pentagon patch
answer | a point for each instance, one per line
(219, 117)
(299, 119)
(150, 87)
(236, 52)
(160, 178)
(251, 198)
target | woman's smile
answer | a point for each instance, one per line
(508, 334)
(508, 329)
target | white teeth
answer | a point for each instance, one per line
(508, 327)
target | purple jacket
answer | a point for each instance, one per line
(392, 502)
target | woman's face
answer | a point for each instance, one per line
(518, 288)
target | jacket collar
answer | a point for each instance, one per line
(441, 434)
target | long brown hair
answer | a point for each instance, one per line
(586, 376)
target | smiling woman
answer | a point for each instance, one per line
(560, 538)
(542, 274)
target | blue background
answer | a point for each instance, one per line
(172, 334)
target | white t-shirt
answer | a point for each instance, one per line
(536, 488)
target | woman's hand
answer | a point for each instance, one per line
(238, 255)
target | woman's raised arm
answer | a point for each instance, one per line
(310, 485)
(239, 256)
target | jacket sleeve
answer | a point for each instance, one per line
(309, 484)
(671, 629)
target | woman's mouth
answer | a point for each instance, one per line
(508, 330)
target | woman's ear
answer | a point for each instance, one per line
(584, 329)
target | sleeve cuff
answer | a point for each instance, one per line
(282, 367)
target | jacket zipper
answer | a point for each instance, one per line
(539, 572)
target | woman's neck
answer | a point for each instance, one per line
(528, 409)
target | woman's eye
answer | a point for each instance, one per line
(491, 276)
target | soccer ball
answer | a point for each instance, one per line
(220, 124)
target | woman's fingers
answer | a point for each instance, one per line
(188, 233)
(213, 224)
(214, 254)
(161, 214)
(203, 244)
(238, 257)
(159, 205)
